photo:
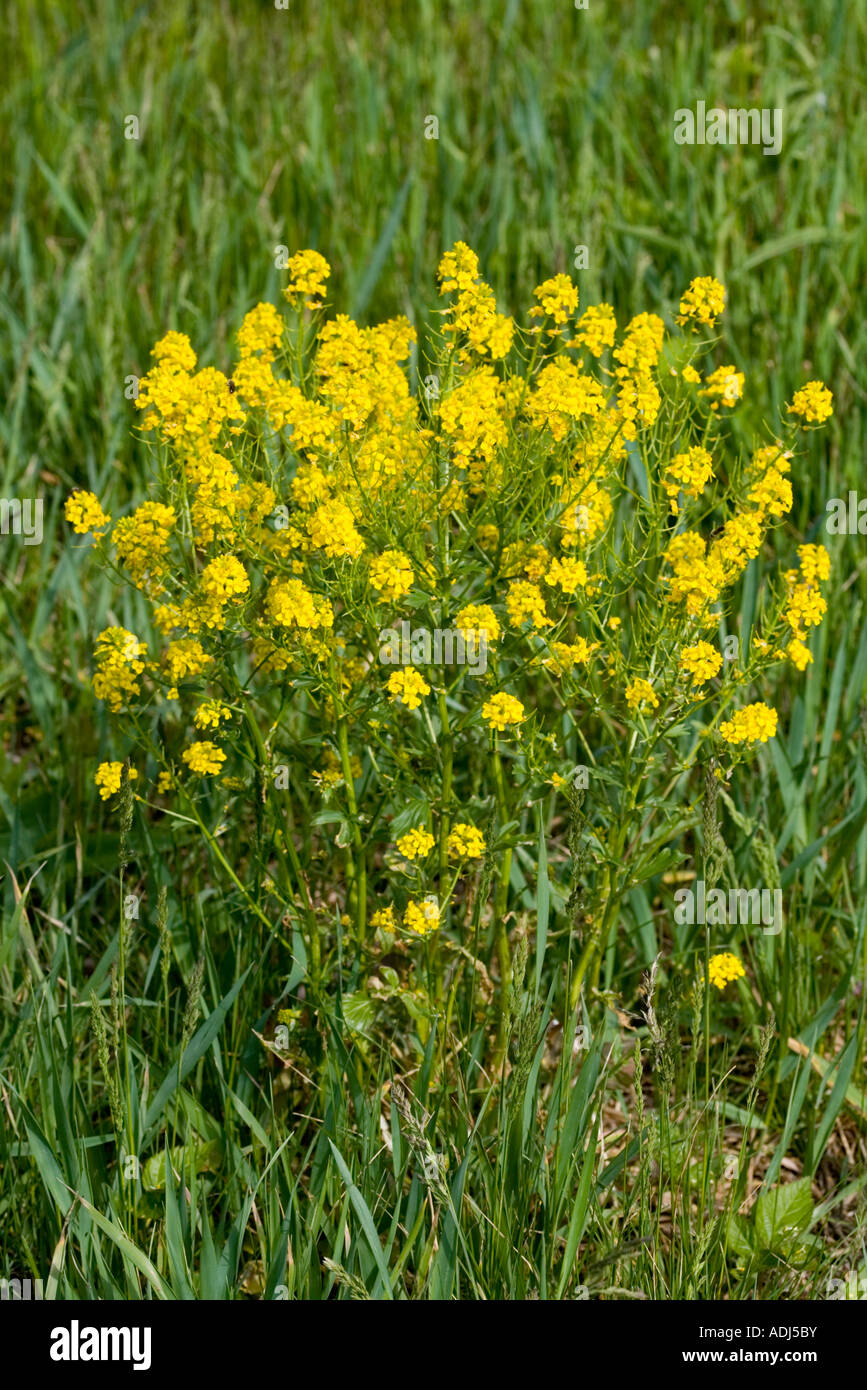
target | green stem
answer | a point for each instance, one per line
(500, 905)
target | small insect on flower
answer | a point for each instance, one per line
(724, 968)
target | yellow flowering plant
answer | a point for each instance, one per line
(383, 610)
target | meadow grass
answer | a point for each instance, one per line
(351, 1164)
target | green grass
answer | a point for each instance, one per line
(306, 128)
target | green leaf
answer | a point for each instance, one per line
(359, 1012)
(781, 1213)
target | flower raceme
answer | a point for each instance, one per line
(569, 487)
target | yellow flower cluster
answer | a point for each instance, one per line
(701, 661)
(703, 302)
(474, 313)
(391, 574)
(557, 299)
(688, 472)
(308, 273)
(416, 844)
(502, 710)
(311, 486)
(813, 403)
(724, 386)
(421, 918)
(805, 605)
(478, 620)
(724, 968)
(141, 543)
(84, 513)
(211, 714)
(108, 778)
(204, 758)
(466, 842)
(596, 328)
(118, 656)
(640, 692)
(407, 687)
(754, 723)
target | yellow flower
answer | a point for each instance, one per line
(479, 621)
(524, 603)
(640, 691)
(308, 272)
(703, 302)
(108, 778)
(815, 563)
(688, 473)
(291, 604)
(812, 403)
(596, 328)
(174, 352)
(799, 654)
(422, 917)
(501, 710)
(701, 661)
(331, 528)
(261, 331)
(185, 657)
(754, 723)
(565, 655)
(466, 842)
(118, 656)
(558, 299)
(225, 578)
(690, 374)
(724, 968)
(211, 714)
(391, 574)
(384, 919)
(458, 269)
(724, 386)
(204, 758)
(563, 395)
(407, 687)
(569, 574)
(416, 844)
(142, 541)
(84, 513)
